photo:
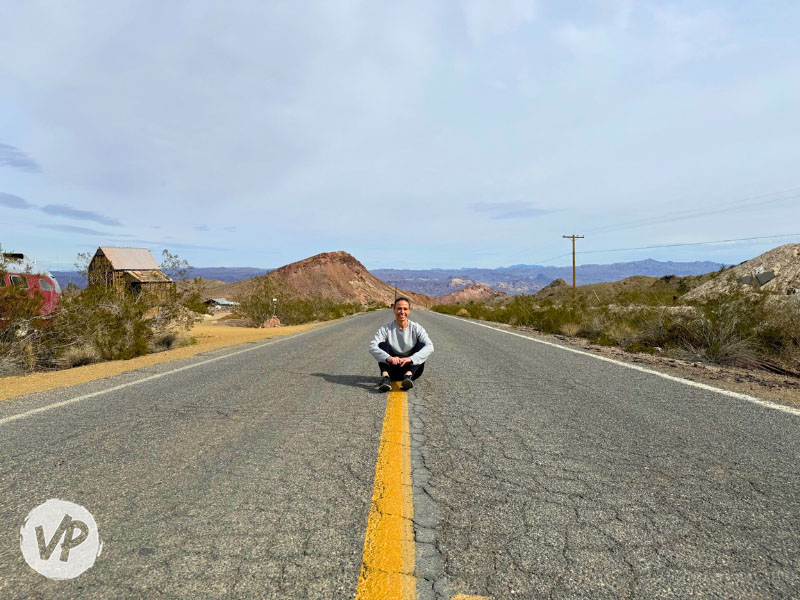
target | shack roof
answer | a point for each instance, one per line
(152, 276)
(129, 259)
(222, 302)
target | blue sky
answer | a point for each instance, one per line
(411, 134)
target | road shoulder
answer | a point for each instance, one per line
(209, 338)
(761, 384)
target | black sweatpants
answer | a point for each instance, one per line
(396, 372)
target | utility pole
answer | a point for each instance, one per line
(573, 238)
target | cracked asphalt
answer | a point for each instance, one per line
(537, 474)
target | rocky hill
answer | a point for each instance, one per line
(776, 271)
(476, 292)
(337, 276)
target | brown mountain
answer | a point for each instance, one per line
(476, 292)
(336, 276)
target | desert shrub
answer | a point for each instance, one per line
(8, 366)
(114, 322)
(462, 312)
(20, 329)
(164, 341)
(294, 311)
(77, 356)
(258, 307)
(745, 328)
(88, 325)
(571, 329)
(748, 329)
(185, 340)
(446, 309)
(192, 297)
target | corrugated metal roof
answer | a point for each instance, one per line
(152, 276)
(224, 302)
(130, 259)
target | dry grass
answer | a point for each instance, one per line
(750, 330)
(570, 329)
(77, 356)
(208, 338)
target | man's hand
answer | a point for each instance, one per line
(397, 360)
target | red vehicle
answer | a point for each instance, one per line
(21, 274)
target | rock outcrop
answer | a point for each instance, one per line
(477, 292)
(776, 271)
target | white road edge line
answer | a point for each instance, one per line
(41, 409)
(703, 386)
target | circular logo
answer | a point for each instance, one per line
(59, 539)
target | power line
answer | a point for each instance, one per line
(733, 205)
(541, 262)
(764, 237)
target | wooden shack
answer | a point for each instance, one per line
(132, 269)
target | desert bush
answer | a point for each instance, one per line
(97, 323)
(77, 356)
(192, 297)
(185, 340)
(164, 341)
(8, 366)
(462, 312)
(447, 309)
(570, 329)
(257, 307)
(739, 328)
(114, 323)
(20, 329)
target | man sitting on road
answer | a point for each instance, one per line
(401, 348)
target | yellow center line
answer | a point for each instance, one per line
(387, 567)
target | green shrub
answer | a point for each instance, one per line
(735, 329)
(258, 307)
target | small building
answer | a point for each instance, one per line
(132, 269)
(221, 303)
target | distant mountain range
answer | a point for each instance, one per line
(528, 279)
(516, 279)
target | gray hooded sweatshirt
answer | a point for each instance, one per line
(403, 340)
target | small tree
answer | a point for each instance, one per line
(257, 307)
(174, 266)
(82, 261)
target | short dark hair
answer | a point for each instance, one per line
(396, 300)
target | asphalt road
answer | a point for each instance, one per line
(538, 473)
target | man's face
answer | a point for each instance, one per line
(401, 310)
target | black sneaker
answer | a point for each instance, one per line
(385, 385)
(407, 383)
